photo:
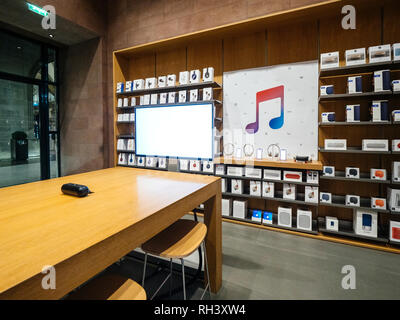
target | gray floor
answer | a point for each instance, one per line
(261, 264)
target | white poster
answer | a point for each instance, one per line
(272, 105)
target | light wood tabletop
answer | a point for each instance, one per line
(80, 237)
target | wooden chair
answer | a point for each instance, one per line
(177, 242)
(109, 287)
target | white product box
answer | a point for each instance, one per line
(120, 103)
(375, 145)
(396, 171)
(295, 176)
(131, 160)
(122, 159)
(379, 110)
(332, 223)
(312, 177)
(396, 85)
(162, 163)
(380, 53)
(194, 95)
(268, 189)
(195, 165)
(226, 207)
(162, 81)
(207, 94)
(138, 84)
(140, 161)
(330, 60)
(396, 51)
(328, 171)
(256, 215)
(129, 86)
(235, 171)
(208, 74)
(378, 203)
(195, 76)
(208, 166)
(336, 144)
(396, 145)
(183, 77)
(328, 117)
(352, 200)
(354, 84)
(120, 87)
(146, 99)
(237, 186)
(395, 231)
(255, 188)
(150, 83)
(382, 81)
(289, 191)
(171, 97)
(285, 217)
(151, 162)
(327, 90)
(268, 218)
(325, 197)
(183, 165)
(353, 173)
(239, 209)
(120, 117)
(223, 185)
(304, 220)
(311, 194)
(154, 99)
(356, 56)
(219, 169)
(133, 102)
(270, 174)
(131, 145)
(253, 173)
(126, 117)
(163, 98)
(396, 115)
(365, 223)
(378, 174)
(182, 96)
(121, 144)
(353, 113)
(171, 80)
(394, 199)
(132, 117)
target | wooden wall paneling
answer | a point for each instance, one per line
(292, 43)
(391, 25)
(142, 67)
(171, 62)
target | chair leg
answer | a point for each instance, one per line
(206, 267)
(170, 281)
(183, 279)
(144, 269)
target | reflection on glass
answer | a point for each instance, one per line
(53, 139)
(51, 65)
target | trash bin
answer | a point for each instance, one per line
(19, 146)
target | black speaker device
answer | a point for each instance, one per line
(75, 190)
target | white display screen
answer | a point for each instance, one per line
(175, 131)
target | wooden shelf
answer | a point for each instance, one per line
(361, 123)
(126, 136)
(125, 151)
(125, 122)
(215, 102)
(355, 95)
(289, 164)
(362, 68)
(339, 201)
(364, 177)
(354, 150)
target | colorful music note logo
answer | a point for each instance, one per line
(269, 94)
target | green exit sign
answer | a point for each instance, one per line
(37, 10)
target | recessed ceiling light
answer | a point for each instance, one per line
(19, 48)
(51, 35)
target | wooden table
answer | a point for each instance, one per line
(80, 237)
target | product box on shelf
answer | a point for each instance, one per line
(395, 231)
(226, 207)
(146, 99)
(394, 199)
(355, 56)
(268, 218)
(255, 188)
(237, 186)
(285, 217)
(327, 90)
(120, 103)
(195, 76)
(182, 96)
(121, 144)
(151, 162)
(183, 165)
(162, 81)
(295, 176)
(140, 161)
(154, 99)
(184, 78)
(354, 84)
(138, 84)
(131, 145)
(382, 81)
(131, 160)
(379, 110)
(163, 98)
(378, 174)
(271, 174)
(330, 60)
(120, 117)
(223, 185)
(312, 177)
(352, 200)
(150, 83)
(378, 203)
(120, 87)
(207, 94)
(396, 115)
(304, 220)
(380, 53)
(208, 74)
(353, 173)
(126, 102)
(365, 223)
(208, 166)
(239, 209)
(336, 144)
(396, 85)
(171, 80)
(162, 163)
(396, 145)
(235, 171)
(133, 102)
(126, 117)
(396, 51)
(396, 171)
(328, 171)
(375, 145)
(268, 189)
(311, 194)
(328, 117)
(256, 215)
(353, 113)
(325, 197)
(171, 97)
(219, 169)
(195, 165)
(289, 191)
(255, 173)
(194, 95)
(332, 223)
(129, 86)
